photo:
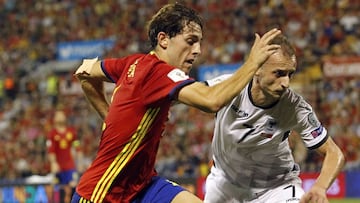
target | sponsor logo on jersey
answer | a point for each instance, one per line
(293, 199)
(241, 113)
(315, 133)
(177, 75)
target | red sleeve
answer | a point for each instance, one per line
(164, 81)
(113, 68)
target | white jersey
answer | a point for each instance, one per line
(250, 143)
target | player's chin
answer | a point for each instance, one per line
(186, 68)
(277, 94)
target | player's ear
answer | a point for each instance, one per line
(162, 40)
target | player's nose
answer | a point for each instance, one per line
(285, 82)
(196, 50)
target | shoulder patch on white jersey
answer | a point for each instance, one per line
(177, 75)
(313, 120)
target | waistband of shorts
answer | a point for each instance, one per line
(76, 198)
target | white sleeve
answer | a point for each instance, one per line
(310, 128)
(217, 80)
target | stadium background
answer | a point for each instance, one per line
(42, 42)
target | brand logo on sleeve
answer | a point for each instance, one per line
(177, 75)
(315, 133)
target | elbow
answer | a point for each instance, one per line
(214, 105)
(339, 156)
(215, 108)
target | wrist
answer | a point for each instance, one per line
(251, 65)
(319, 186)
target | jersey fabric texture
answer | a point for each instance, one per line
(250, 146)
(144, 90)
(60, 143)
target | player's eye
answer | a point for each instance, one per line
(190, 42)
(280, 73)
(291, 74)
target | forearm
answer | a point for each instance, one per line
(52, 158)
(221, 90)
(54, 167)
(333, 163)
(225, 91)
(95, 94)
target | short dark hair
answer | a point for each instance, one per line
(171, 19)
(286, 47)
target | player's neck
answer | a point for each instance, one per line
(60, 128)
(260, 98)
(161, 54)
(157, 54)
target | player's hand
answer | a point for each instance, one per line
(261, 49)
(315, 195)
(54, 167)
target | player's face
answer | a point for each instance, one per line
(184, 48)
(275, 74)
(60, 117)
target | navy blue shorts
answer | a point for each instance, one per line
(160, 190)
(65, 177)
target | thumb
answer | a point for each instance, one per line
(257, 37)
(305, 198)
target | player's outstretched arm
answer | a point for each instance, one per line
(333, 163)
(92, 80)
(211, 99)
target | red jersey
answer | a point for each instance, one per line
(124, 165)
(60, 143)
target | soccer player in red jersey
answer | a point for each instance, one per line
(61, 141)
(145, 87)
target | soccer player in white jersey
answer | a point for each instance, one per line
(253, 162)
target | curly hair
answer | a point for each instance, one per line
(171, 19)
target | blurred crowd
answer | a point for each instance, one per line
(30, 31)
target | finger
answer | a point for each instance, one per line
(267, 37)
(273, 47)
(257, 38)
(271, 32)
(305, 198)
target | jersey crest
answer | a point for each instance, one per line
(270, 128)
(131, 71)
